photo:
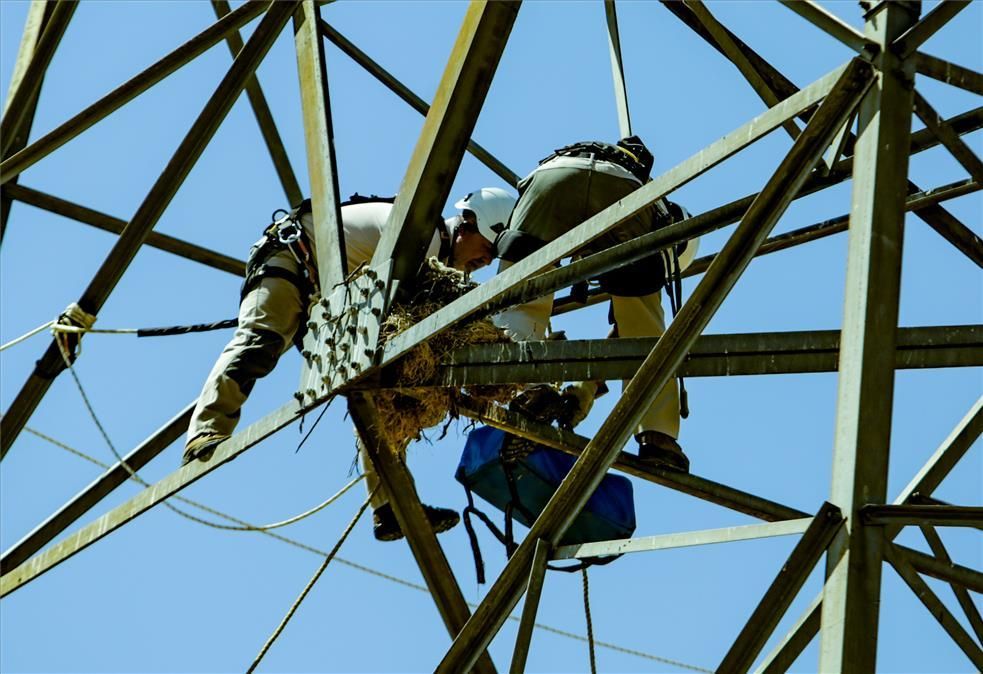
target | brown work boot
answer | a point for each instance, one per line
(660, 449)
(202, 447)
(386, 528)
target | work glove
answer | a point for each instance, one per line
(576, 401)
(539, 402)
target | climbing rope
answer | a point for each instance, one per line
(310, 584)
(133, 474)
(590, 625)
(76, 321)
(369, 570)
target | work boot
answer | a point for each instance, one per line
(386, 528)
(202, 447)
(662, 450)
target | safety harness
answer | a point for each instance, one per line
(629, 154)
(285, 232)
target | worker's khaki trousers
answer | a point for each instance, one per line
(269, 315)
(552, 202)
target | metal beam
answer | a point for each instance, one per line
(937, 515)
(866, 382)
(793, 574)
(329, 233)
(730, 48)
(129, 90)
(956, 145)
(617, 69)
(916, 36)
(261, 110)
(661, 364)
(831, 24)
(683, 540)
(928, 478)
(37, 17)
(711, 355)
(69, 513)
(440, 148)
(630, 464)
(789, 649)
(107, 223)
(534, 590)
(935, 606)
(396, 480)
(962, 596)
(19, 108)
(925, 203)
(414, 101)
(947, 571)
(948, 454)
(149, 497)
(609, 218)
(149, 212)
(950, 73)
(937, 217)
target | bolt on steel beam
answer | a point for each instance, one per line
(111, 271)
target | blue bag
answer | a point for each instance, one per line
(518, 477)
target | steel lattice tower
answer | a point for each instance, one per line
(854, 123)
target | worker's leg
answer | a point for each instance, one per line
(643, 317)
(372, 485)
(385, 527)
(268, 318)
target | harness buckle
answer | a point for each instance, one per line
(288, 230)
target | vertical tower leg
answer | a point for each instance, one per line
(866, 384)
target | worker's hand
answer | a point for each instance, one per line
(576, 402)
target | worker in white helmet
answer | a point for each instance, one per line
(280, 278)
(569, 186)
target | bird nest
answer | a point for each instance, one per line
(416, 406)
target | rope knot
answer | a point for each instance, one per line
(68, 329)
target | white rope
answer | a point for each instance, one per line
(133, 474)
(81, 322)
(33, 332)
(373, 572)
(310, 585)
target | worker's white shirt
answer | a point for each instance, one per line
(363, 225)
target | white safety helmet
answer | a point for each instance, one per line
(492, 206)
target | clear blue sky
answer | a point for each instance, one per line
(164, 594)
